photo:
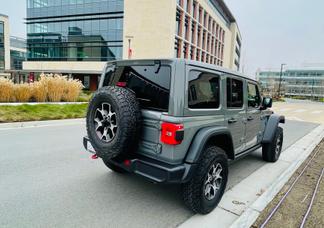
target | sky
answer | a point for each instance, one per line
(16, 10)
(273, 31)
(280, 31)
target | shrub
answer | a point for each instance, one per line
(6, 90)
(72, 90)
(22, 92)
(40, 90)
(55, 87)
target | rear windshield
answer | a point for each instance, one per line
(151, 84)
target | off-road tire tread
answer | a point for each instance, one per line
(191, 191)
(128, 124)
(268, 149)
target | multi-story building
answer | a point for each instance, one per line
(4, 45)
(77, 37)
(306, 82)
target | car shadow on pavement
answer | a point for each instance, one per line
(146, 202)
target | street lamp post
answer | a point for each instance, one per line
(279, 90)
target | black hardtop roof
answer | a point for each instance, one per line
(186, 61)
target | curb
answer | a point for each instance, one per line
(45, 123)
(306, 145)
(41, 103)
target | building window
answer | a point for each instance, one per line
(192, 54)
(205, 19)
(204, 40)
(185, 4)
(185, 50)
(178, 23)
(2, 47)
(193, 32)
(199, 37)
(188, 6)
(186, 28)
(194, 9)
(176, 48)
(197, 55)
(200, 15)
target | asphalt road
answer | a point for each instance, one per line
(48, 180)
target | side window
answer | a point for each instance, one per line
(254, 98)
(234, 93)
(203, 90)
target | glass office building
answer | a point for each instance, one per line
(74, 30)
(307, 82)
(2, 48)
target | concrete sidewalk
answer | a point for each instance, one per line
(242, 204)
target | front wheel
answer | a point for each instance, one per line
(204, 191)
(271, 151)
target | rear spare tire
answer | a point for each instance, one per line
(113, 121)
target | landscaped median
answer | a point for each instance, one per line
(26, 112)
(51, 97)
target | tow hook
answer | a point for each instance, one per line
(94, 156)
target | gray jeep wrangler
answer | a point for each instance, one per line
(180, 121)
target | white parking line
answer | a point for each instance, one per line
(317, 112)
(293, 118)
(283, 109)
(300, 110)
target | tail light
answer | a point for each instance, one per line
(121, 84)
(172, 134)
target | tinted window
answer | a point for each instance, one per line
(234, 93)
(254, 99)
(203, 90)
(150, 84)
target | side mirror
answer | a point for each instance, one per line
(266, 103)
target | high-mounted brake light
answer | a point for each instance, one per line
(172, 134)
(121, 84)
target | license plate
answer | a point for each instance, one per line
(90, 148)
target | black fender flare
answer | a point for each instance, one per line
(201, 138)
(271, 127)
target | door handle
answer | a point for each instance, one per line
(232, 120)
(249, 118)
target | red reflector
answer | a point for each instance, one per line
(94, 156)
(170, 133)
(121, 84)
(127, 162)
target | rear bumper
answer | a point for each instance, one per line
(153, 170)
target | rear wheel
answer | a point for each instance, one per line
(271, 151)
(204, 191)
